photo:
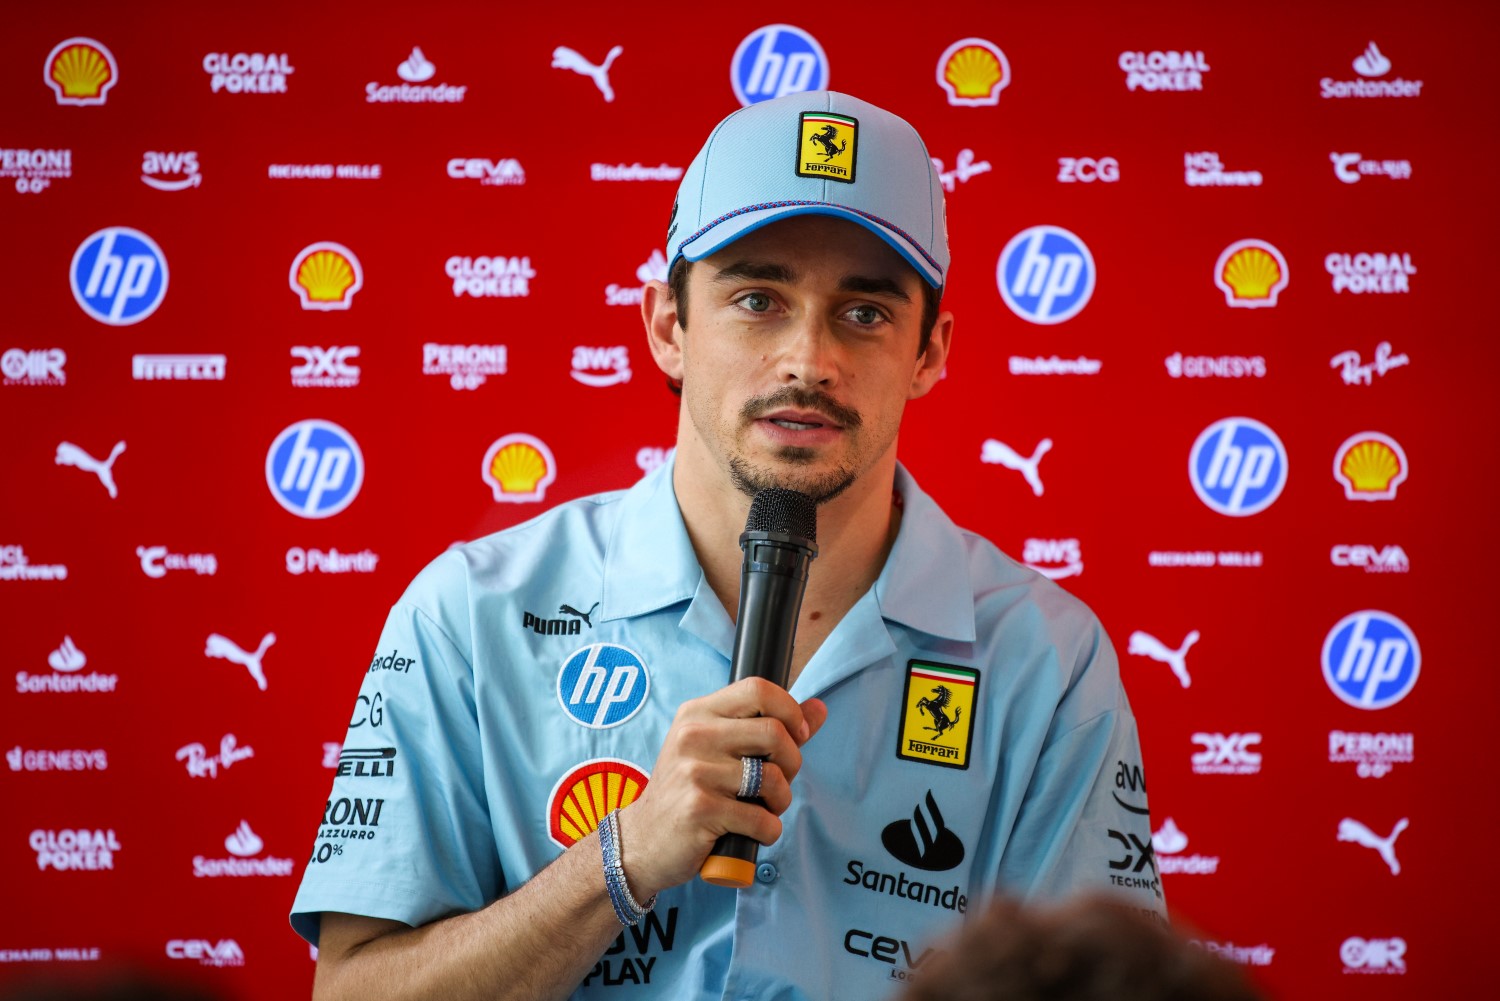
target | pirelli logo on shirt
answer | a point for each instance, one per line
(937, 714)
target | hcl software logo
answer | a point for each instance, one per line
(1046, 274)
(314, 469)
(777, 60)
(1238, 466)
(119, 276)
(1371, 659)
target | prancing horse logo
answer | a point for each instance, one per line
(937, 708)
(825, 139)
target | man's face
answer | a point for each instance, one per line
(800, 357)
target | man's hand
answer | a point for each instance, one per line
(690, 801)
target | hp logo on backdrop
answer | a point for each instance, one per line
(119, 276)
(603, 685)
(1371, 659)
(1238, 466)
(314, 469)
(777, 60)
(1046, 274)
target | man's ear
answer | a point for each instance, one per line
(932, 361)
(659, 313)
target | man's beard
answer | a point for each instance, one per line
(822, 488)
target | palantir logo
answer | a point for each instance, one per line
(1371, 659)
(1238, 466)
(1046, 274)
(603, 685)
(314, 469)
(119, 276)
(777, 60)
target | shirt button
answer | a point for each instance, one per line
(766, 873)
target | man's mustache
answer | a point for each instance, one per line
(797, 398)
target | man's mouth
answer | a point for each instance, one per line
(799, 420)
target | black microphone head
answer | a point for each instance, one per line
(777, 509)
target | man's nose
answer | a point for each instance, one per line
(809, 354)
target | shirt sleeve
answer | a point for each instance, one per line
(405, 833)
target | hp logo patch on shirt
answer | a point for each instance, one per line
(603, 685)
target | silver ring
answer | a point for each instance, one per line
(750, 776)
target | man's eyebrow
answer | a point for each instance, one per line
(874, 286)
(761, 271)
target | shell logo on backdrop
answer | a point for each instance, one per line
(325, 276)
(80, 71)
(587, 794)
(973, 71)
(1371, 466)
(519, 468)
(1251, 274)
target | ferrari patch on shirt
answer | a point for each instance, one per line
(937, 714)
(827, 146)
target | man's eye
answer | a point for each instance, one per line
(756, 302)
(866, 315)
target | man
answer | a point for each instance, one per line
(536, 779)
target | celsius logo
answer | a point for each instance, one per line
(325, 276)
(314, 469)
(1238, 466)
(777, 60)
(519, 468)
(603, 685)
(922, 841)
(973, 71)
(166, 171)
(1371, 466)
(588, 793)
(1046, 274)
(118, 276)
(80, 71)
(1251, 273)
(1350, 167)
(1371, 659)
(1373, 955)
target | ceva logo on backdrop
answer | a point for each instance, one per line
(314, 469)
(1046, 274)
(118, 276)
(1238, 466)
(777, 60)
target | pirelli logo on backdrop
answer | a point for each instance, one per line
(937, 714)
(827, 146)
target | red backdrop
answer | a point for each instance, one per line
(208, 133)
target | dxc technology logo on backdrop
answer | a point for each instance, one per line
(119, 276)
(1238, 466)
(1046, 274)
(1371, 659)
(314, 469)
(775, 61)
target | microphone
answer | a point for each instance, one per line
(779, 544)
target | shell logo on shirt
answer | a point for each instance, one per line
(584, 796)
(937, 714)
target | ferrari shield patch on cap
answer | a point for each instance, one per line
(827, 146)
(937, 714)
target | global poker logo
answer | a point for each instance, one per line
(603, 685)
(314, 469)
(118, 276)
(1371, 659)
(80, 71)
(777, 60)
(1238, 466)
(1046, 274)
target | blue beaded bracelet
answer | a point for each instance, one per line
(626, 909)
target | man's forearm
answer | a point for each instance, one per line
(538, 942)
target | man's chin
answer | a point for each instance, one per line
(791, 472)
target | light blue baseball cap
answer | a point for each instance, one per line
(813, 153)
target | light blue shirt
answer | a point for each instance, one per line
(571, 639)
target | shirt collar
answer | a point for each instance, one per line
(649, 561)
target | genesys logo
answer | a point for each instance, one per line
(34, 367)
(66, 661)
(1374, 955)
(1206, 170)
(325, 276)
(1370, 273)
(518, 469)
(1169, 843)
(325, 368)
(603, 685)
(653, 269)
(1180, 70)
(467, 366)
(300, 561)
(1181, 366)
(1056, 559)
(1354, 371)
(1251, 274)
(243, 845)
(75, 849)
(1371, 659)
(80, 71)
(1087, 169)
(118, 276)
(314, 468)
(1373, 755)
(201, 764)
(1352, 167)
(248, 72)
(490, 277)
(973, 72)
(14, 565)
(1046, 274)
(415, 70)
(179, 368)
(224, 953)
(171, 170)
(503, 173)
(1237, 466)
(34, 170)
(27, 760)
(601, 366)
(1370, 466)
(1226, 754)
(1373, 559)
(1371, 65)
(157, 561)
(777, 60)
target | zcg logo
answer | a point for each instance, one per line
(118, 276)
(777, 60)
(1046, 274)
(1371, 659)
(603, 685)
(314, 469)
(1238, 466)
